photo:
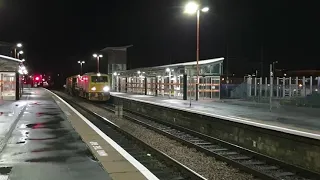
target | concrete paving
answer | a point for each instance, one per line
(9, 114)
(44, 146)
(294, 118)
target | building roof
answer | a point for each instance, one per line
(303, 72)
(117, 48)
(6, 44)
(94, 73)
(178, 66)
(193, 63)
(9, 63)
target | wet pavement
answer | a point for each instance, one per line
(9, 113)
(43, 145)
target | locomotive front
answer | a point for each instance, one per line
(98, 87)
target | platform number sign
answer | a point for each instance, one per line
(98, 149)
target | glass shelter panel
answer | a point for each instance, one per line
(209, 87)
(8, 85)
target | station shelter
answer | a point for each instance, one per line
(10, 79)
(173, 80)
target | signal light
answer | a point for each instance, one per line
(37, 78)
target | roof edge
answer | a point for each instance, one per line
(120, 48)
(190, 63)
(10, 58)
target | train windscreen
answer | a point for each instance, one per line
(99, 79)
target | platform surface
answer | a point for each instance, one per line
(299, 121)
(43, 145)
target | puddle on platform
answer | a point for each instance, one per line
(42, 139)
(20, 142)
(5, 170)
(49, 159)
(18, 153)
(43, 150)
(88, 153)
(49, 124)
(35, 126)
(48, 113)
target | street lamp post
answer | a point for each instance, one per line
(98, 56)
(274, 67)
(81, 62)
(192, 8)
(19, 45)
(23, 71)
(20, 52)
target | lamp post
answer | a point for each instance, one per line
(192, 8)
(98, 56)
(20, 52)
(274, 67)
(81, 62)
(18, 45)
(22, 71)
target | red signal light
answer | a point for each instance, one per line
(37, 78)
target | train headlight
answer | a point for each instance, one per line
(93, 88)
(106, 89)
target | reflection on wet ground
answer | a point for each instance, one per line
(43, 135)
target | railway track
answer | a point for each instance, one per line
(258, 165)
(161, 165)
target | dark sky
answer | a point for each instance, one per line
(58, 33)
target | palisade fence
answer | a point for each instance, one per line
(296, 91)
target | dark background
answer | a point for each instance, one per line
(58, 33)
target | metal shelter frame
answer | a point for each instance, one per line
(10, 80)
(173, 80)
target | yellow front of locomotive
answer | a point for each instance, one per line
(98, 87)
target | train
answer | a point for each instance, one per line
(91, 86)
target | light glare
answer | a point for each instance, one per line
(95, 55)
(205, 9)
(106, 89)
(191, 8)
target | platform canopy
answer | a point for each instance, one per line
(9, 64)
(207, 67)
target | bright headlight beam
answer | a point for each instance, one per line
(106, 88)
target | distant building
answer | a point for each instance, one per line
(6, 48)
(303, 73)
(117, 58)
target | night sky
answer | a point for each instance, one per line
(58, 33)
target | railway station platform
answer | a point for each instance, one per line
(293, 120)
(44, 138)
